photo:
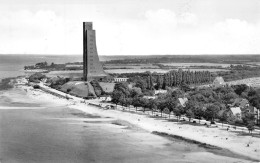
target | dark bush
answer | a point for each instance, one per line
(36, 77)
(36, 87)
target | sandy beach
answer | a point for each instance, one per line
(235, 141)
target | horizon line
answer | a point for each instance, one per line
(133, 55)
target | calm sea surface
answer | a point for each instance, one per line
(13, 65)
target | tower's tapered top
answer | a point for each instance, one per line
(87, 26)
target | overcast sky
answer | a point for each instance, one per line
(131, 27)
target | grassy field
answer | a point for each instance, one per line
(223, 65)
(129, 66)
(157, 70)
(254, 63)
(70, 74)
(253, 82)
(107, 87)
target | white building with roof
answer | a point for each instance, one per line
(218, 82)
(183, 101)
(236, 111)
(159, 91)
(120, 79)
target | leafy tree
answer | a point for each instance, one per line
(211, 111)
(249, 119)
(144, 103)
(36, 77)
(135, 92)
(229, 97)
(136, 102)
(255, 101)
(161, 105)
(178, 93)
(152, 104)
(167, 111)
(223, 116)
(129, 102)
(250, 126)
(170, 104)
(123, 87)
(239, 89)
(190, 114)
(159, 82)
(141, 84)
(178, 111)
(122, 101)
(150, 82)
(116, 95)
(198, 110)
(185, 87)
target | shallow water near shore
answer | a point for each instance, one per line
(56, 133)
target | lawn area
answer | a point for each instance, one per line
(107, 87)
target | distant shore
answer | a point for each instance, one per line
(240, 143)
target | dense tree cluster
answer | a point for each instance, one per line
(180, 77)
(57, 82)
(36, 77)
(183, 79)
(46, 66)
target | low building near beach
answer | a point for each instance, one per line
(160, 91)
(149, 97)
(105, 98)
(236, 111)
(117, 80)
(218, 82)
(183, 101)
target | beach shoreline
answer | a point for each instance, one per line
(217, 137)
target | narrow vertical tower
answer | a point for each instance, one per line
(92, 68)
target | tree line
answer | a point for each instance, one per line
(180, 77)
(205, 103)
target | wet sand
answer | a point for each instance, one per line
(56, 133)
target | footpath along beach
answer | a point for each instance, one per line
(238, 142)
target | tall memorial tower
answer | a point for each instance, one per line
(92, 68)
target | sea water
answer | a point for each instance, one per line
(13, 65)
